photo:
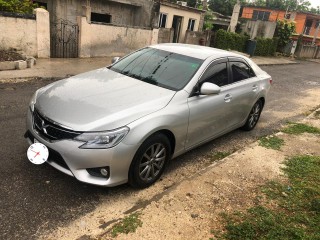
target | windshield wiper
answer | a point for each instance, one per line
(151, 80)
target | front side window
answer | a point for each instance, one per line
(158, 67)
(216, 74)
(241, 71)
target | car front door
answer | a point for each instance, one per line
(208, 113)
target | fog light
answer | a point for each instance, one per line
(101, 172)
(104, 172)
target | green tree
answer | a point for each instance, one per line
(302, 5)
(224, 7)
(17, 6)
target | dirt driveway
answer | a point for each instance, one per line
(40, 199)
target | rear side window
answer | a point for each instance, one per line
(217, 74)
(241, 71)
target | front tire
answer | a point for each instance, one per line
(254, 116)
(149, 162)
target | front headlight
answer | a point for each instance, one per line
(33, 100)
(107, 139)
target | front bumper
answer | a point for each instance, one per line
(67, 157)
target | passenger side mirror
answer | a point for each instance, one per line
(209, 89)
(115, 59)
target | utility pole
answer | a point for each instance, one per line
(235, 17)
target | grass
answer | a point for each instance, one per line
(127, 225)
(295, 214)
(219, 155)
(272, 142)
(299, 128)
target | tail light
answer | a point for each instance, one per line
(270, 81)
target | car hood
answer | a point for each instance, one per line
(100, 100)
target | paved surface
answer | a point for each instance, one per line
(54, 67)
(37, 198)
(58, 67)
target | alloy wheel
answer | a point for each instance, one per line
(152, 162)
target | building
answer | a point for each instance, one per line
(306, 23)
(117, 12)
(180, 19)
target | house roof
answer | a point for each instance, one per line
(178, 6)
(277, 9)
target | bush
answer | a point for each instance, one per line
(284, 31)
(266, 46)
(228, 40)
(17, 6)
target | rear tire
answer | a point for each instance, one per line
(149, 161)
(254, 116)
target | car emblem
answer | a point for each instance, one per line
(43, 127)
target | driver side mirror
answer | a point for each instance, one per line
(115, 59)
(209, 89)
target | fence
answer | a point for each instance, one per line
(307, 51)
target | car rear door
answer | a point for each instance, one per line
(244, 89)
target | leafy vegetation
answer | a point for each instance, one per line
(219, 155)
(285, 29)
(229, 40)
(272, 142)
(301, 5)
(127, 225)
(224, 7)
(299, 128)
(266, 46)
(296, 214)
(17, 6)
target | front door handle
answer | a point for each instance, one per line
(254, 88)
(228, 98)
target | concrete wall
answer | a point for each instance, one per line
(32, 36)
(260, 28)
(123, 12)
(97, 40)
(198, 38)
(185, 14)
(306, 51)
(165, 35)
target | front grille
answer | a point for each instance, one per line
(49, 130)
(53, 155)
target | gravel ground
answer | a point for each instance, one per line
(193, 206)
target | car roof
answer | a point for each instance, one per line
(196, 51)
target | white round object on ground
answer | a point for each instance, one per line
(38, 153)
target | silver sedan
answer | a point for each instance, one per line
(124, 122)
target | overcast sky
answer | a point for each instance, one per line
(315, 3)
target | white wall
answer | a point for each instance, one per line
(97, 40)
(186, 15)
(28, 35)
(18, 33)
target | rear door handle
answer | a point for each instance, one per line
(228, 98)
(254, 88)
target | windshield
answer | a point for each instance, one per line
(158, 67)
